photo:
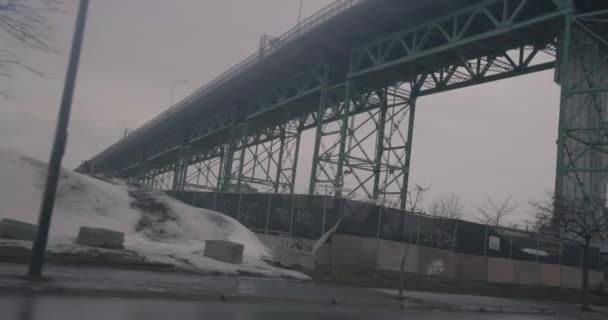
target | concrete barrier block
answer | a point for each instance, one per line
(526, 272)
(354, 251)
(17, 230)
(570, 277)
(292, 258)
(225, 251)
(470, 267)
(390, 254)
(550, 275)
(596, 280)
(99, 237)
(500, 270)
(324, 254)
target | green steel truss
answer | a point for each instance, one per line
(277, 98)
(582, 158)
(205, 173)
(491, 26)
(517, 61)
(266, 160)
(363, 115)
(364, 151)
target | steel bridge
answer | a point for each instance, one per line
(352, 73)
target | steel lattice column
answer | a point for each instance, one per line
(265, 159)
(582, 159)
(205, 173)
(181, 168)
(228, 157)
(365, 152)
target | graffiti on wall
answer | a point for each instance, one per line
(439, 239)
(435, 267)
(253, 213)
(296, 243)
(303, 217)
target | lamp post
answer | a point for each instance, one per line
(300, 12)
(175, 84)
(61, 135)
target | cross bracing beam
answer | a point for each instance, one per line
(492, 40)
(301, 85)
(486, 23)
(267, 159)
(364, 151)
(582, 157)
(428, 85)
(518, 61)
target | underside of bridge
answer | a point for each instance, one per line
(352, 73)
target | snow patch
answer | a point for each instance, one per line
(156, 226)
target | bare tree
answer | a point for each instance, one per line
(580, 221)
(24, 21)
(413, 203)
(447, 205)
(494, 214)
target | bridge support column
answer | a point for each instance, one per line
(582, 144)
(238, 173)
(142, 172)
(149, 175)
(205, 171)
(315, 183)
(267, 158)
(181, 168)
(228, 158)
(154, 177)
(365, 152)
(408, 155)
(296, 155)
(279, 163)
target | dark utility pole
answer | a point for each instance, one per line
(61, 134)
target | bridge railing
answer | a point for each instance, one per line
(334, 9)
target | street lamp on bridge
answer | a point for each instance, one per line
(173, 87)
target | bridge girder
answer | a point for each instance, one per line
(363, 119)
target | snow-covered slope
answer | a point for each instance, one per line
(156, 226)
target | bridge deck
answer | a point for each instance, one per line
(331, 34)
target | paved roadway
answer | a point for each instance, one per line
(68, 308)
(103, 294)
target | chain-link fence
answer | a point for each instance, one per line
(309, 216)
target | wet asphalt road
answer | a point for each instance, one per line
(67, 308)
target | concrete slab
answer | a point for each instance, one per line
(596, 280)
(324, 254)
(292, 258)
(570, 277)
(526, 272)
(550, 275)
(470, 267)
(17, 230)
(500, 270)
(225, 251)
(101, 238)
(390, 254)
(354, 251)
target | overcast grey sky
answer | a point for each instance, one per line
(496, 139)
